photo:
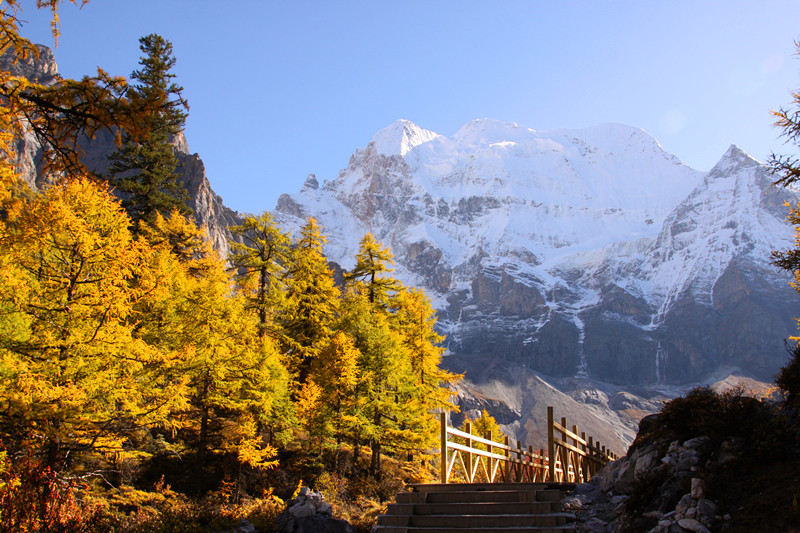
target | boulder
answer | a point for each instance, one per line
(310, 513)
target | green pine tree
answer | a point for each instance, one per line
(143, 170)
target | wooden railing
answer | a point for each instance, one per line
(576, 459)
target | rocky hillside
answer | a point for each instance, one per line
(707, 462)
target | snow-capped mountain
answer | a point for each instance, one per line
(586, 252)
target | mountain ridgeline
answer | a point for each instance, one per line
(574, 253)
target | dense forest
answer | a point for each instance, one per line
(146, 383)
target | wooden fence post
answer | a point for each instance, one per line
(443, 469)
(565, 453)
(551, 445)
(585, 458)
(532, 465)
(542, 473)
(470, 474)
(490, 436)
(508, 460)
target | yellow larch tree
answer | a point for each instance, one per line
(311, 302)
(383, 366)
(74, 375)
(236, 381)
(401, 383)
(338, 408)
(260, 261)
(415, 320)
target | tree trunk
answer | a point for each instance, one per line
(356, 454)
(53, 452)
(204, 417)
(375, 463)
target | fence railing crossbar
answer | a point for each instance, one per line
(570, 457)
(583, 447)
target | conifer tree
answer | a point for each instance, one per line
(237, 385)
(389, 408)
(339, 408)
(311, 304)
(259, 261)
(373, 262)
(383, 419)
(144, 169)
(75, 377)
(415, 320)
(393, 329)
(60, 115)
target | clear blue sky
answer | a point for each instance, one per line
(279, 90)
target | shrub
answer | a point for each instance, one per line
(34, 498)
(788, 379)
(765, 431)
(700, 412)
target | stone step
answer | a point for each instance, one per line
(481, 508)
(464, 496)
(483, 522)
(472, 487)
(478, 508)
(534, 529)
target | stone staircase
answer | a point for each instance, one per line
(478, 508)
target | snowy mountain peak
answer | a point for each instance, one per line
(401, 137)
(613, 134)
(735, 157)
(484, 131)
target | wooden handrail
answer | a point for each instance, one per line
(578, 460)
(571, 458)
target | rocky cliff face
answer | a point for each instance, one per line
(587, 253)
(209, 210)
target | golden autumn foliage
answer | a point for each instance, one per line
(401, 384)
(74, 374)
(260, 264)
(311, 302)
(129, 345)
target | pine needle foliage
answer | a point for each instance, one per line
(311, 302)
(260, 261)
(143, 170)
